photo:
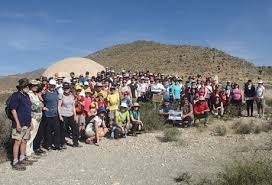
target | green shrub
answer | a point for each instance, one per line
(5, 140)
(220, 130)
(268, 102)
(150, 116)
(247, 172)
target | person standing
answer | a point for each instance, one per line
(20, 106)
(36, 115)
(260, 91)
(67, 116)
(52, 124)
(249, 97)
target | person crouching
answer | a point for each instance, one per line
(201, 110)
(122, 122)
(97, 127)
(137, 124)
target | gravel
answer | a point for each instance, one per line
(136, 160)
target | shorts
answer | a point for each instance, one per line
(80, 119)
(260, 102)
(24, 134)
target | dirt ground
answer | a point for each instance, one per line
(143, 159)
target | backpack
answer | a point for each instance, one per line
(8, 109)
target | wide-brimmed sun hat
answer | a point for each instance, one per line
(201, 98)
(260, 82)
(136, 105)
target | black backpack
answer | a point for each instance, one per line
(8, 109)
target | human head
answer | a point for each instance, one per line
(66, 87)
(101, 112)
(260, 83)
(72, 74)
(166, 102)
(34, 85)
(123, 107)
(135, 106)
(23, 85)
(52, 84)
(201, 99)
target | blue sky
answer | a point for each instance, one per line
(36, 33)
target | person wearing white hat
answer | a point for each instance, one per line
(260, 93)
(122, 122)
(52, 124)
(201, 110)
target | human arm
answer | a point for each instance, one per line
(59, 109)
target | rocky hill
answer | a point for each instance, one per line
(9, 82)
(181, 60)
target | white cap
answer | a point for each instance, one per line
(66, 80)
(124, 105)
(86, 83)
(52, 82)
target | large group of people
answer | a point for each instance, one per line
(47, 111)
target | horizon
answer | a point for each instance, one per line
(34, 35)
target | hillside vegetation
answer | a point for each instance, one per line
(181, 60)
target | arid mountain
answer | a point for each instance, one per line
(9, 82)
(183, 60)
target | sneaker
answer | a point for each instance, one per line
(25, 162)
(18, 167)
(76, 146)
(64, 147)
(31, 159)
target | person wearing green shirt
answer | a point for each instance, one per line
(122, 120)
(135, 117)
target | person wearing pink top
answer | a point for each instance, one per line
(236, 98)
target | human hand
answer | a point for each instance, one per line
(61, 118)
(18, 128)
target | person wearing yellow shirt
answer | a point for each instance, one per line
(113, 103)
(122, 122)
(99, 89)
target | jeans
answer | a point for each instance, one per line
(52, 132)
(249, 104)
(69, 122)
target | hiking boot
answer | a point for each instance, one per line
(18, 167)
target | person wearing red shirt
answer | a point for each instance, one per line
(201, 110)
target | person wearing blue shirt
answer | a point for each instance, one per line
(51, 117)
(176, 88)
(20, 106)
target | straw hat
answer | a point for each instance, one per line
(135, 104)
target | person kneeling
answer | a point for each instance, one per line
(201, 110)
(137, 124)
(97, 127)
(122, 122)
(218, 108)
(188, 113)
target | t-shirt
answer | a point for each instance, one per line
(97, 120)
(176, 91)
(51, 103)
(157, 88)
(142, 88)
(201, 107)
(68, 104)
(135, 114)
(22, 104)
(260, 91)
(236, 94)
(87, 103)
(113, 101)
(165, 109)
(36, 107)
(121, 117)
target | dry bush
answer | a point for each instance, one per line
(171, 134)
(244, 128)
(268, 102)
(266, 127)
(220, 130)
